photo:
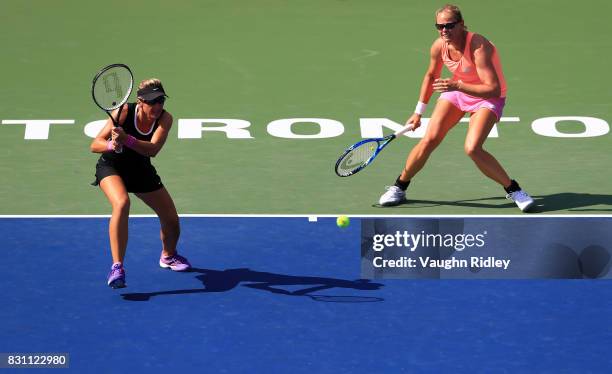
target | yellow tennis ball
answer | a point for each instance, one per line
(343, 221)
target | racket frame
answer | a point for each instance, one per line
(381, 143)
(122, 103)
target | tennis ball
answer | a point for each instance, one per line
(343, 221)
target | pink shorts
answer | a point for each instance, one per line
(471, 104)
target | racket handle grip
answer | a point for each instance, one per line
(115, 125)
(109, 147)
(406, 128)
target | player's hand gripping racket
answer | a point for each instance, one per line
(361, 154)
(111, 89)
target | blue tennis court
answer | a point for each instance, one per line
(277, 295)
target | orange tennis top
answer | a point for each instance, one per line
(465, 70)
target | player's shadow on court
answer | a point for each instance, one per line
(226, 280)
(472, 203)
(570, 201)
(575, 202)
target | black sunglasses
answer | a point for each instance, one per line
(448, 26)
(158, 100)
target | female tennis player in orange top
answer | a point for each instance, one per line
(477, 87)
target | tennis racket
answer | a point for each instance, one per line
(111, 89)
(361, 154)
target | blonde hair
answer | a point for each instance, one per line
(452, 9)
(153, 82)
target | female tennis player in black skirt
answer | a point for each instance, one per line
(125, 166)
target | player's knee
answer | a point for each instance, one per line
(429, 143)
(122, 204)
(472, 150)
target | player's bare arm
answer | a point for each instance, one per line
(100, 142)
(433, 72)
(149, 149)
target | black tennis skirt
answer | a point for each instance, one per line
(139, 179)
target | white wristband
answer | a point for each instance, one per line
(420, 108)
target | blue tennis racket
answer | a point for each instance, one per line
(361, 154)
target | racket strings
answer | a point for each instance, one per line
(112, 88)
(112, 84)
(357, 158)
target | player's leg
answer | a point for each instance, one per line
(117, 195)
(481, 123)
(161, 203)
(444, 117)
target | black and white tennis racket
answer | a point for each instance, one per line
(111, 89)
(361, 154)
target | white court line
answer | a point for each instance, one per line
(310, 217)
